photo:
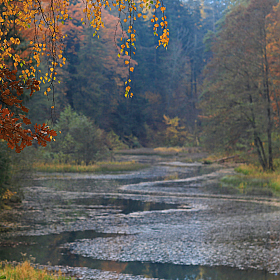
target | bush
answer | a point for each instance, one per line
(78, 140)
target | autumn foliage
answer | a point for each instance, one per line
(33, 31)
(241, 97)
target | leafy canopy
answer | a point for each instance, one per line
(40, 23)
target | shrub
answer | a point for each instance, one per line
(25, 271)
(78, 139)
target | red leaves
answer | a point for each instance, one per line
(43, 134)
(11, 125)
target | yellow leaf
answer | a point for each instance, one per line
(126, 62)
(48, 89)
(131, 69)
(139, 15)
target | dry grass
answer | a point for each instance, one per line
(98, 167)
(25, 271)
(171, 150)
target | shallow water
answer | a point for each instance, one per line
(125, 206)
(46, 250)
(163, 222)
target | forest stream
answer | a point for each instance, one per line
(169, 221)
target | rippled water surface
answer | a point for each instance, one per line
(169, 221)
(46, 250)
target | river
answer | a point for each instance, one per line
(168, 221)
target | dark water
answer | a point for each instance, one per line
(46, 250)
(126, 206)
(109, 182)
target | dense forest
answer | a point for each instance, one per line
(216, 85)
(166, 83)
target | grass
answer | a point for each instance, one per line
(171, 150)
(252, 180)
(97, 167)
(161, 151)
(240, 184)
(252, 171)
(25, 271)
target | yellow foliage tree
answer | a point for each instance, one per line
(175, 134)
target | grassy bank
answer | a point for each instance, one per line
(97, 167)
(252, 180)
(161, 151)
(25, 271)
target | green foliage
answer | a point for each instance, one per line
(253, 180)
(5, 168)
(248, 186)
(114, 142)
(248, 169)
(14, 168)
(78, 140)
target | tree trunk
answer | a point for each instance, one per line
(267, 95)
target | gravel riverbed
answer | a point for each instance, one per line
(202, 229)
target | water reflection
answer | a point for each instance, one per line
(46, 250)
(126, 205)
(109, 183)
(172, 271)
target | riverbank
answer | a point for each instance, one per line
(252, 180)
(98, 167)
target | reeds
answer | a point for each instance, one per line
(254, 177)
(25, 271)
(97, 167)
